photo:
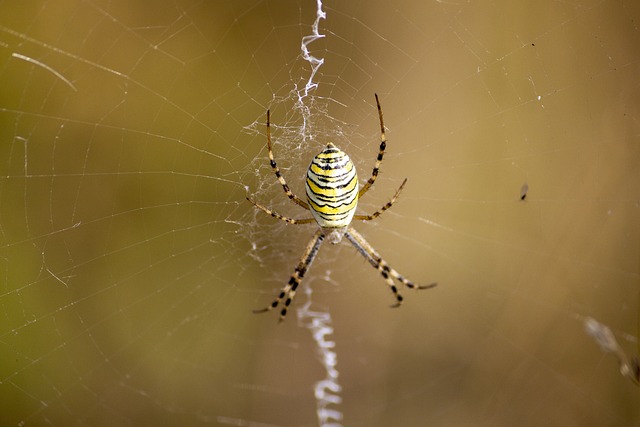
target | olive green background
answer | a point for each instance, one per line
(130, 260)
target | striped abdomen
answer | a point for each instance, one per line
(332, 188)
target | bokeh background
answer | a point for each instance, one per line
(132, 131)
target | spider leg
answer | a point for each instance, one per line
(381, 265)
(377, 213)
(383, 145)
(281, 217)
(288, 292)
(275, 168)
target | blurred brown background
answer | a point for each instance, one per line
(130, 261)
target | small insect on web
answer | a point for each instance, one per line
(332, 197)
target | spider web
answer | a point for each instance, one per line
(130, 260)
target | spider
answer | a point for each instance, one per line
(332, 197)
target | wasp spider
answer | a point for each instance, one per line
(332, 197)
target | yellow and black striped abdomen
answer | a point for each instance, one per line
(332, 188)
